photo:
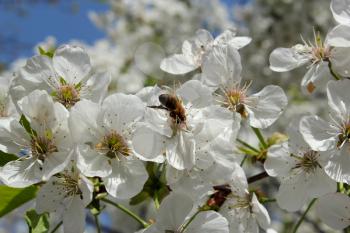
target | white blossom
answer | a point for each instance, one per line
(300, 169)
(104, 149)
(43, 150)
(66, 194)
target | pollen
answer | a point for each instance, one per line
(67, 95)
(113, 144)
(42, 146)
(235, 98)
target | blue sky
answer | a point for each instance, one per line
(66, 20)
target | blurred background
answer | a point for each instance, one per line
(129, 38)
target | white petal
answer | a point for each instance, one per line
(174, 210)
(334, 210)
(203, 37)
(222, 66)
(147, 144)
(74, 217)
(54, 163)
(50, 197)
(293, 195)
(317, 133)
(338, 166)
(127, 178)
(38, 69)
(180, 151)
(340, 10)
(121, 110)
(266, 106)
(72, 63)
(262, 216)
(208, 222)
(339, 98)
(194, 92)
(240, 41)
(38, 107)
(296, 140)
(21, 173)
(278, 161)
(341, 61)
(91, 163)
(286, 59)
(82, 121)
(96, 87)
(316, 77)
(320, 184)
(178, 64)
(339, 36)
(87, 188)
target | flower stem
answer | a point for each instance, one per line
(57, 227)
(127, 211)
(260, 137)
(303, 216)
(98, 227)
(247, 145)
(190, 220)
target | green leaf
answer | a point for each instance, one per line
(37, 223)
(26, 125)
(5, 158)
(49, 53)
(12, 198)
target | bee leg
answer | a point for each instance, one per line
(158, 107)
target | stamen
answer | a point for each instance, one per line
(113, 144)
(308, 162)
(67, 95)
(42, 147)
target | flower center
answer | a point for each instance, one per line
(113, 144)
(42, 147)
(235, 98)
(309, 162)
(321, 53)
(70, 185)
(67, 95)
(345, 136)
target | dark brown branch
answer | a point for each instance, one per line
(257, 177)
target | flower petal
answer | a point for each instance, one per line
(208, 222)
(74, 216)
(334, 210)
(340, 10)
(266, 106)
(317, 133)
(286, 59)
(178, 64)
(127, 178)
(71, 63)
(338, 165)
(222, 66)
(180, 151)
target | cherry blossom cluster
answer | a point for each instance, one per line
(180, 144)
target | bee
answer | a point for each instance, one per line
(173, 105)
